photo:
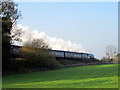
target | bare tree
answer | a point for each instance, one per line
(111, 51)
(36, 43)
(36, 54)
(16, 33)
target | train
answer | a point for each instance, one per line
(59, 54)
(71, 55)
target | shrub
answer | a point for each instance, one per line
(38, 58)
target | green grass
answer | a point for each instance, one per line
(97, 76)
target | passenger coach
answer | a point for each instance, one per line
(71, 55)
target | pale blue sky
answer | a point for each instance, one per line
(92, 24)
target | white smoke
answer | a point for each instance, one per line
(53, 42)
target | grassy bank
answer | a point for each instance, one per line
(97, 76)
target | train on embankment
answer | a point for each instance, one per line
(59, 54)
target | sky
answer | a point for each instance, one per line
(90, 26)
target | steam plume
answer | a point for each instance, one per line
(53, 42)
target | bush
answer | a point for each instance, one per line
(38, 58)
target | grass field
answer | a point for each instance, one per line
(97, 76)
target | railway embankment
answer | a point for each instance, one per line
(63, 64)
(73, 63)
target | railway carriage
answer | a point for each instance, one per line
(57, 54)
(71, 55)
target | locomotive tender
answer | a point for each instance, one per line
(59, 54)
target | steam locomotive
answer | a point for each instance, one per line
(59, 54)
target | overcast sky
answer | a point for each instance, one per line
(92, 25)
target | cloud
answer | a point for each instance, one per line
(53, 42)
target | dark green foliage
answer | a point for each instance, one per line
(8, 17)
